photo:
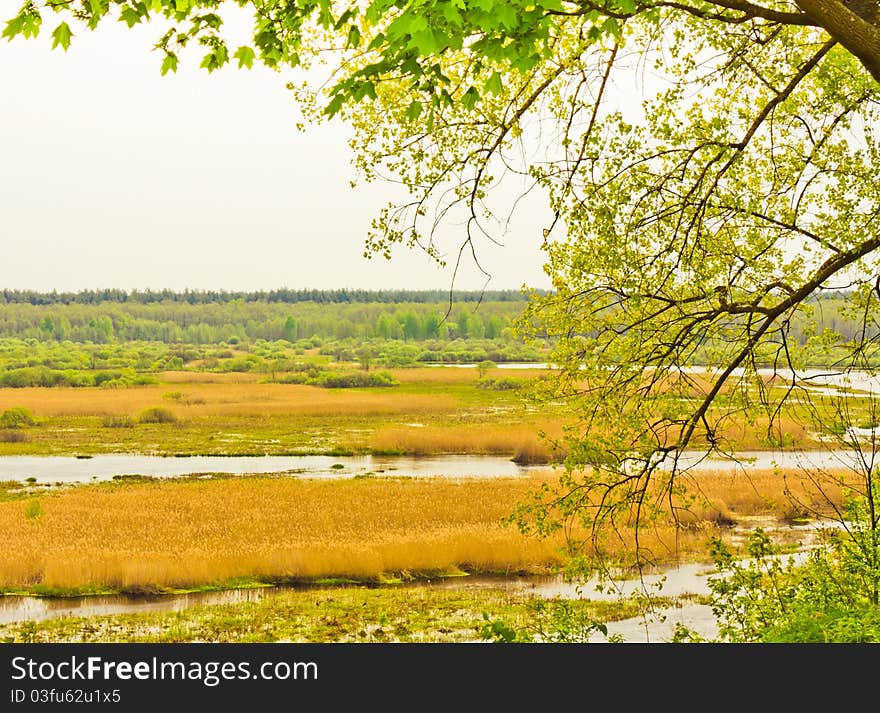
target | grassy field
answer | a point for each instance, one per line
(428, 411)
(161, 535)
(234, 414)
(338, 614)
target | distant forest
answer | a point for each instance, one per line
(192, 317)
(217, 316)
(283, 295)
(111, 337)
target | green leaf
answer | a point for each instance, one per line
(425, 41)
(169, 64)
(26, 23)
(13, 27)
(414, 110)
(364, 89)
(354, 37)
(451, 13)
(506, 15)
(61, 36)
(611, 26)
(217, 57)
(32, 22)
(470, 98)
(407, 24)
(129, 16)
(245, 56)
(335, 105)
(493, 84)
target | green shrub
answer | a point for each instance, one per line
(831, 597)
(354, 379)
(505, 383)
(17, 417)
(316, 376)
(157, 414)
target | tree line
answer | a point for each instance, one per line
(283, 295)
(175, 322)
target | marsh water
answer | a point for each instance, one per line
(687, 579)
(70, 469)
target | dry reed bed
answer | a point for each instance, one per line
(185, 533)
(222, 399)
(520, 441)
(192, 532)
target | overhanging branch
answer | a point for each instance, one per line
(859, 36)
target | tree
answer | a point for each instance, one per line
(692, 218)
(289, 329)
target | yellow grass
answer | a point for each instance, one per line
(221, 399)
(784, 493)
(207, 377)
(184, 533)
(744, 436)
(191, 532)
(520, 441)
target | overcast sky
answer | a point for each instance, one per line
(114, 176)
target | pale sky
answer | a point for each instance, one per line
(114, 176)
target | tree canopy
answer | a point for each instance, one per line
(707, 167)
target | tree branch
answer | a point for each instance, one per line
(859, 36)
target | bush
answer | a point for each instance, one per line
(17, 417)
(13, 437)
(355, 379)
(505, 383)
(829, 598)
(315, 376)
(157, 415)
(118, 422)
(485, 365)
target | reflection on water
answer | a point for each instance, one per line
(22, 608)
(69, 469)
(744, 461)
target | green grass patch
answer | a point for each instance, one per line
(321, 615)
